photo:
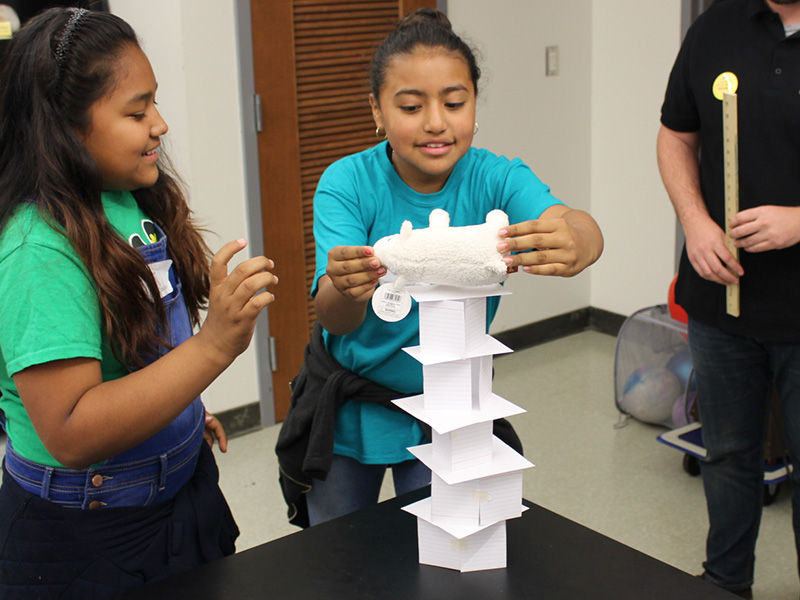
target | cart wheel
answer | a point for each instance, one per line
(691, 465)
(771, 492)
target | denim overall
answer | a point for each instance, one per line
(146, 474)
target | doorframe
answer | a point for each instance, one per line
(255, 235)
(690, 10)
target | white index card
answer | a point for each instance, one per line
(454, 504)
(422, 510)
(487, 346)
(494, 407)
(429, 293)
(504, 460)
(481, 502)
(500, 497)
(481, 380)
(464, 448)
(481, 551)
(457, 384)
(452, 326)
(485, 550)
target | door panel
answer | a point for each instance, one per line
(311, 60)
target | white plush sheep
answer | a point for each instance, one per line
(440, 254)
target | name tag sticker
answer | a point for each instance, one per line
(725, 82)
(160, 271)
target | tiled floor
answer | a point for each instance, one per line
(620, 482)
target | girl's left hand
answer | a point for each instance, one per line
(566, 241)
(214, 429)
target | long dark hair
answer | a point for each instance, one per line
(426, 27)
(56, 66)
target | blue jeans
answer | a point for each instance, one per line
(351, 486)
(142, 482)
(734, 378)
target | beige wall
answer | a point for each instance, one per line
(589, 132)
(192, 47)
(634, 43)
(543, 120)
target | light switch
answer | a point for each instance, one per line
(551, 61)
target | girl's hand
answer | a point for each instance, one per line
(234, 301)
(214, 429)
(566, 242)
(766, 228)
(354, 271)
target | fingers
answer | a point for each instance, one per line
(244, 282)
(529, 235)
(213, 428)
(544, 262)
(219, 263)
(354, 271)
(716, 264)
(249, 278)
(235, 301)
(353, 260)
(348, 253)
(543, 247)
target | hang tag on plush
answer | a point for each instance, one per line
(391, 304)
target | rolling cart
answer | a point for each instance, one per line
(689, 439)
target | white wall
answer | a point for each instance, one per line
(192, 47)
(543, 120)
(634, 43)
(589, 132)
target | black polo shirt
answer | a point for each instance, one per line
(746, 38)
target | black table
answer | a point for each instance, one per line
(372, 554)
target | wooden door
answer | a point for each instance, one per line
(311, 60)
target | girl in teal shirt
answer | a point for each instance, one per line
(424, 85)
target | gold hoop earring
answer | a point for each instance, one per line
(379, 135)
(475, 130)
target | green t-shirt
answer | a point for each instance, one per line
(49, 308)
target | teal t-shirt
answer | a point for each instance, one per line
(360, 199)
(49, 308)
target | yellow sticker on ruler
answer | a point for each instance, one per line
(725, 82)
(5, 30)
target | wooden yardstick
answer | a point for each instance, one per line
(730, 131)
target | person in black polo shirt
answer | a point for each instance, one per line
(750, 47)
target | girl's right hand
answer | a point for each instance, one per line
(354, 271)
(234, 301)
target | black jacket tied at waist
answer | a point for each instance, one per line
(305, 441)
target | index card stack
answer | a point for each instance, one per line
(476, 479)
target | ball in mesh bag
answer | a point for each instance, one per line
(649, 395)
(682, 409)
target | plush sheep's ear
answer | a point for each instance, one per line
(439, 218)
(400, 283)
(497, 218)
(405, 230)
